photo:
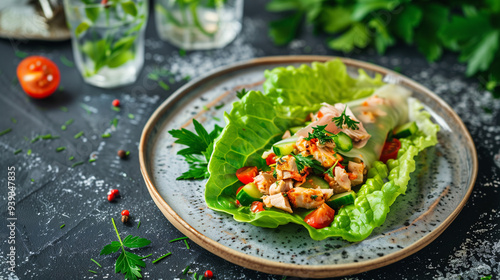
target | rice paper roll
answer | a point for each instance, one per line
(386, 109)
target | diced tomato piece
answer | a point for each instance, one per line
(257, 206)
(390, 150)
(352, 176)
(321, 217)
(270, 159)
(246, 174)
(320, 115)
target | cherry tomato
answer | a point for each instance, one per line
(270, 159)
(111, 197)
(246, 174)
(257, 206)
(208, 274)
(39, 76)
(390, 150)
(321, 217)
(125, 213)
(116, 103)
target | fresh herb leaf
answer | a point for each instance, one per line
(309, 161)
(63, 225)
(187, 245)
(127, 263)
(162, 257)
(106, 135)
(18, 151)
(177, 239)
(98, 264)
(488, 277)
(139, 224)
(64, 109)
(66, 61)
(357, 36)
(163, 85)
(344, 119)
(76, 164)
(219, 106)
(95, 272)
(60, 149)
(131, 116)
(78, 135)
(5, 131)
(135, 242)
(114, 122)
(321, 134)
(21, 54)
(13, 120)
(28, 152)
(284, 30)
(241, 93)
(200, 147)
(330, 170)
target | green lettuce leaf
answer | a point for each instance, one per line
(258, 120)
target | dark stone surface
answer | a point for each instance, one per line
(50, 193)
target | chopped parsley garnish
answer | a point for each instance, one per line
(345, 119)
(309, 161)
(76, 164)
(321, 134)
(314, 196)
(60, 149)
(96, 262)
(18, 151)
(127, 263)
(163, 85)
(5, 131)
(78, 135)
(200, 148)
(131, 116)
(162, 257)
(241, 93)
(219, 106)
(66, 61)
(63, 225)
(106, 135)
(114, 108)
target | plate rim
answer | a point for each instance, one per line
(274, 267)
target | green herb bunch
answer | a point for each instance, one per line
(113, 49)
(471, 28)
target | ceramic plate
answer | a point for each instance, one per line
(438, 190)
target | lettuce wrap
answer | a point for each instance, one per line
(259, 119)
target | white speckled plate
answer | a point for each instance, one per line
(438, 190)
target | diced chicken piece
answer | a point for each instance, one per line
(278, 201)
(357, 170)
(281, 186)
(359, 136)
(305, 198)
(287, 134)
(327, 193)
(342, 179)
(322, 153)
(264, 180)
(286, 168)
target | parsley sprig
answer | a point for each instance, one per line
(320, 133)
(199, 150)
(127, 263)
(345, 119)
(241, 93)
(309, 161)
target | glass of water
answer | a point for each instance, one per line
(198, 24)
(108, 39)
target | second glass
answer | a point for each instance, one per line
(107, 39)
(198, 24)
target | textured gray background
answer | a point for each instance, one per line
(76, 197)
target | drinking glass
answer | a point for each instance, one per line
(198, 24)
(108, 39)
